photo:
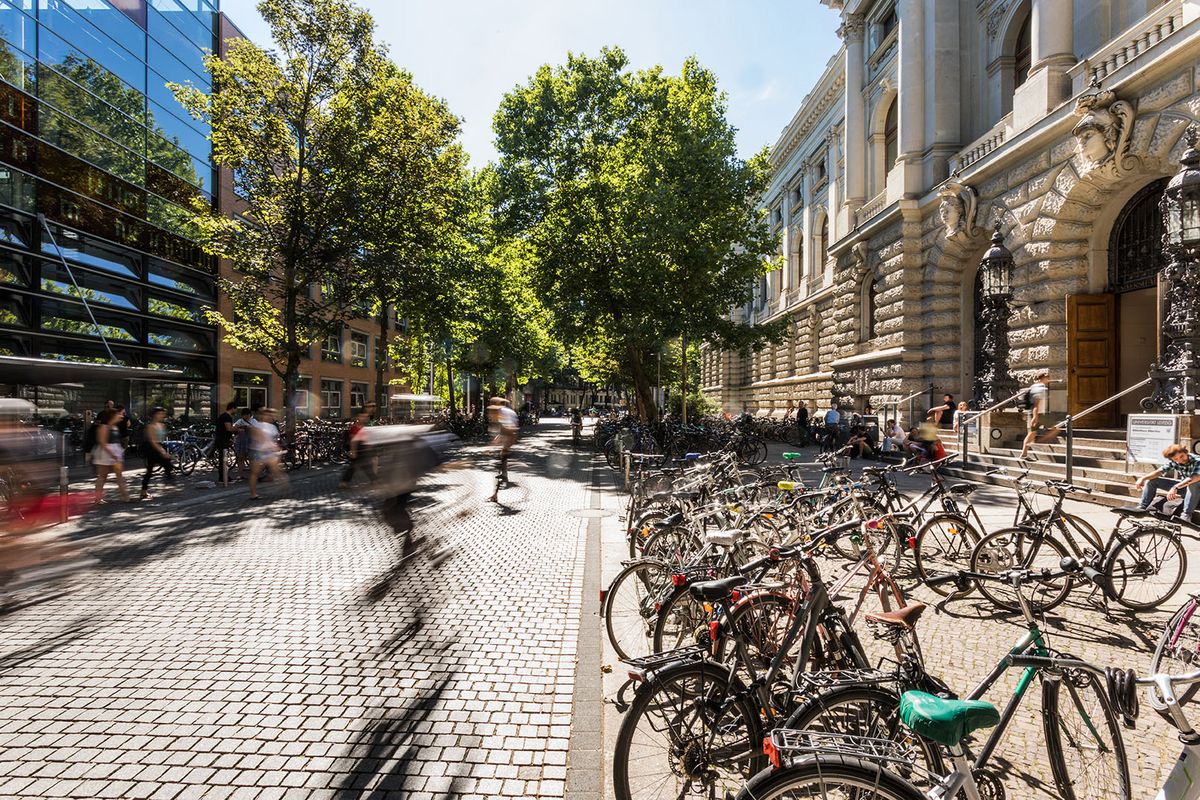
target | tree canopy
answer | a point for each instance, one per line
(640, 221)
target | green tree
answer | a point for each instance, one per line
(642, 222)
(290, 127)
(411, 204)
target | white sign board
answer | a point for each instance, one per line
(1147, 435)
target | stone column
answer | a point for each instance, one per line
(912, 92)
(853, 28)
(806, 234)
(942, 87)
(1052, 34)
(787, 245)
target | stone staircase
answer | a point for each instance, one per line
(1099, 464)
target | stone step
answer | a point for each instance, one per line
(1108, 446)
(1109, 487)
(1086, 457)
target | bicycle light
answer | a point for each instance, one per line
(678, 579)
(771, 751)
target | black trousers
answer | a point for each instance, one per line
(222, 464)
(153, 459)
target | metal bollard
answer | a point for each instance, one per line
(64, 494)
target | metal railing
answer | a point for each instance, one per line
(967, 421)
(906, 399)
(1068, 424)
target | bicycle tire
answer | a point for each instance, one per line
(1059, 723)
(944, 544)
(1006, 549)
(1146, 554)
(622, 611)
(829, 776)
(678, 621)
(765, 616)
(683, 697)
(863, 711)
(673, 544)
(1177, 651)
(642, 528)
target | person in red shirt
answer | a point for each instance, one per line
(357, 449)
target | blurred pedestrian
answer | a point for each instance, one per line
(157, 457)
(223, 441)
(241, 441)
(1036, 400)
(504, 424)
(108, 456)
(356, 447)
(264, 450)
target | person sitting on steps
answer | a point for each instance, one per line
(1181, 471)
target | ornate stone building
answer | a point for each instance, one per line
(1059, 119)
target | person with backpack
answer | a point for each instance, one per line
(1034, 400)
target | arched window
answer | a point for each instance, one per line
(823, 245)
(1135, 253)
(1023, 52)
(867, 306)
(891, 137)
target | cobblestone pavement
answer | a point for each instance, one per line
(225, 649)
(964, 639)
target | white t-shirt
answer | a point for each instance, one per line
(1039, 397)
(263, 435)
(508, 418)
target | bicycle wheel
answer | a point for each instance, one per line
(673, 545)
(1178, 648)
(629, 607)
(944, 544)
(763, 620)
(830, 776)
(1146, 569)
(679, 621)
(690, 733)
(867, 711)
(1083, 739)
(1007, 549)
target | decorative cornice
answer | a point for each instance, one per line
(853, 28)
(806, 118)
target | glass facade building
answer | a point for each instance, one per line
(92, 138)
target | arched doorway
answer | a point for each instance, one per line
(1135, 257)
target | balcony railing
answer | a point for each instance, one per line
(1135, 40)
(872, 207)
(981, 146)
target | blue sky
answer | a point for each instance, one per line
(766, 53)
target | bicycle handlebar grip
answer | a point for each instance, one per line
(938, 580)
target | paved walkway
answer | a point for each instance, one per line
(224, 649)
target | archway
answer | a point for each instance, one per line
(1135, 258)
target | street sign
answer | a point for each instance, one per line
(1147, 435)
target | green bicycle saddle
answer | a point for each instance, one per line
(945, 721)
(792, 456)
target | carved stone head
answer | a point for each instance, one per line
(1102, 132)
(957, 209)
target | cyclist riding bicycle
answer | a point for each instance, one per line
(576, 425)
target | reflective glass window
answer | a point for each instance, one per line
(181, 39)
(191, 368)
(331, 348)
(19, 109)
(161, 273)
(15, 269)
(196, 26)
(18, 28)
(176, 248)
(177, 308)
(86, 353)
(14, 312)
(16, 229)
(85, 37)
(16, 189)
(359, 343)
(81, 141)
(197, 172)
(65, 317)
(171, 217)
(92, 287)
(18, 69)
(98, 114)
(180, 339)
(114, 23)
(88, 251)
(168, 64)
(331, 398)
(172, 122)
(122, 90)
(79, 176)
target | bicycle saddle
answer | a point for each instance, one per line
(1130, 511)
(725, 538)
(946, 722)
(961, 488)
(717, 590)
(905, 618)
(686, 495)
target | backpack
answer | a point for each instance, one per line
(1025, 399)
(89, 437)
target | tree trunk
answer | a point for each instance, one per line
(683, 392)
(382, 400)
(647, 411)
(450, 381)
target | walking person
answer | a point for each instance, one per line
(108, 455)
(833, 421)
(356, 447)
(1037, 398)
(802, 422)
(155, 437)
(223, 441)
(1180, 472)
(264, 450)
(241, 442)
(504, 422)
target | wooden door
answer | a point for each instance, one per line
(1091, 358)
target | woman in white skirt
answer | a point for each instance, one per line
(108, 455)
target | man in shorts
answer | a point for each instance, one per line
(504, 422)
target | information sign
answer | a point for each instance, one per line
(1147, 435)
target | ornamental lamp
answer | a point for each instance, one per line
(996, 268)
(1181, 199)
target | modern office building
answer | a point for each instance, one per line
(97, 161)
(102, 291)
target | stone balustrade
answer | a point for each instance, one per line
(981, 146)
(872, 207)
(1149, 31)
